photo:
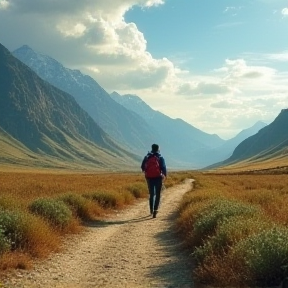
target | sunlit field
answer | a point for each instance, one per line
(236, 228)
(38, 208)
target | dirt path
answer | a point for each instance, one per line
(130, 250)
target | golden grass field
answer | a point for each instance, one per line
(25, 186)
(270, 191)
(218, 219)
(93, 195)
(236, 227)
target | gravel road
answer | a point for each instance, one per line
(130, 249)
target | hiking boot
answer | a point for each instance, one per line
(155, 213)
(151, 211)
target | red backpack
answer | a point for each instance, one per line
(152, 167)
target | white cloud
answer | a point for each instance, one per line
(77, 30)
(150, 3)
(229, 8)
(245, 79)
(232, 9)
(238, 69)
(4, 4)
(202, 88)
(282, 57)
(253, 93)
(91, 36)
(94, 37)
(285, 12)
(152, 73)
(111, 9)
(227, 104)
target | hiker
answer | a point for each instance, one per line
(154, 167)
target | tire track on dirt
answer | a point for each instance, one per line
(130, 249)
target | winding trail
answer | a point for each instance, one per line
(130, 249)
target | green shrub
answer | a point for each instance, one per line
(54, 211)
(229, 232)
(23, 231)
(216, 212)
(187, 218)
(11, 223)
(138, 190)
(264, 256)
(5, 245)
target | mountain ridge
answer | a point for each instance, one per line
(49, 121)
(183, 144)
(270, 142)
(216, 150)
(138, 137)
(273, 135)
(124, 126)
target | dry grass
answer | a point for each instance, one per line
(28, 186)
(217, 205)
(17, 260)
(89, 196)
(268, 191)
(277, 164)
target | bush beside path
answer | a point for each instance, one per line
(129, 249)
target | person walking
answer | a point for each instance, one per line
(154, 167)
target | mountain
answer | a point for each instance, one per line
(269, 142)
(39, 119)
(224, 151)
(232, 143)
(124, 126)
(135, 103)
(204, 148)
(130, 122)
(179, 138)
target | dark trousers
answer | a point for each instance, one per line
(154, 186)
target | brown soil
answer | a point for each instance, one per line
(130, 249)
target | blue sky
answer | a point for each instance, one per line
(206, 32)
(219, 65)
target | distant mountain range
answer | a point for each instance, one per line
(269, 142)
(181, 141)
(187, 141)
(124, 126)
(67, 117)
(49, 122)
(226, 150)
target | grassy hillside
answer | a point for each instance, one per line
(15, 156)
(277, 161)
(46, 126)
(270, 142)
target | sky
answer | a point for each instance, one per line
(219, 65)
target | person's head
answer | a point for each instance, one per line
(155, 148)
